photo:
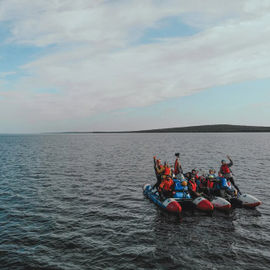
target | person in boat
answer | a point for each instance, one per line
(167, 169)
(187, 175)
(166, 187)
(212, 172)
(192, 188)
(158, 168)
(225, 188)
(227, 173)
(193, 173)
(210, 184)
(177, 166)
(161, 171)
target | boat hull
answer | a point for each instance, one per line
(169, 204)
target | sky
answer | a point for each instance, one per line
(104, 65)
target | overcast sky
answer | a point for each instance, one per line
(86, 65)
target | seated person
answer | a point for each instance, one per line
(166, 187)
(225, 188)
(192, 187)
(193, 173)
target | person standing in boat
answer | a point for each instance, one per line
(161, 171)
(227, 173)
(158, 167)
(177, 166)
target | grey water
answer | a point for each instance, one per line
(75, 202)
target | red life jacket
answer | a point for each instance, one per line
(193, 186)
(210, 184)
(167, 171)
(176, 165)
(225, 169)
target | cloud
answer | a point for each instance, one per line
(8, 73)
(98, 68)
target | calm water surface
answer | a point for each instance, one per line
(76, 202)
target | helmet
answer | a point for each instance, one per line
(184, 183)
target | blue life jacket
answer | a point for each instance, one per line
(177, 185)
(180, 191)
(223, 184)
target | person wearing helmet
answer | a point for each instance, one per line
(226, 172)
(212, 172)
(210, 183)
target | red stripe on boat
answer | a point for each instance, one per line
(227, 206)
(251, 205)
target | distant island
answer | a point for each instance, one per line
(194, 129)
(210, 128)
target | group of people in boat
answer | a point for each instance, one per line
(220, 184)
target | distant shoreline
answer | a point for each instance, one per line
(191, 129)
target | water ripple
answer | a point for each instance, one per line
(75, 202)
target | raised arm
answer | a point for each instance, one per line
(231, 162)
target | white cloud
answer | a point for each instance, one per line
(8, 73)
(96, 69)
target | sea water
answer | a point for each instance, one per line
(75, 201)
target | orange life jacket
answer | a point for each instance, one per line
(167, 171)
(166, 185)
(225, 169)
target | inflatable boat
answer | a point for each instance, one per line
(180, 199)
